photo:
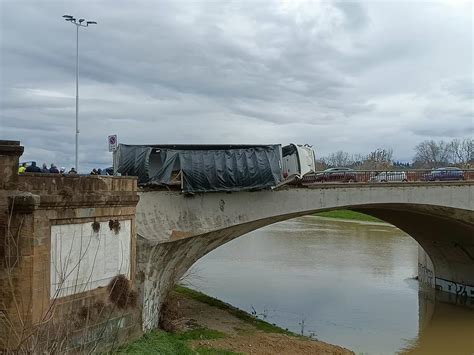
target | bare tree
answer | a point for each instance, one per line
(428, 154)
(379, 159)
(339, 158)
(321, 164)
(431, 154)
(461, 151)
(358, 161)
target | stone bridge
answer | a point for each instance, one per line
(175, 230)
(67, 241)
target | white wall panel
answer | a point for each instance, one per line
(82, 259)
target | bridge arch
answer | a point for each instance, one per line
(175, 231)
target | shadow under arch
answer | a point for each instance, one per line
(445, 233)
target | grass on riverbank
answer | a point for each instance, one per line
(161, 342)
(348, 214)
(214, 302)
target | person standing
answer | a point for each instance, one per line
(33, 168)
(45, 169)
(53, 169)
(22, 168)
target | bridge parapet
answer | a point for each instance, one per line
(383, 176)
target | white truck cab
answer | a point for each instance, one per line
(298, 160)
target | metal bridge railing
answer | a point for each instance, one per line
(385, 176)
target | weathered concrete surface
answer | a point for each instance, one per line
(174, 231)
(458, 294)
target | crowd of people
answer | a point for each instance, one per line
(53, 169)
(96, 171)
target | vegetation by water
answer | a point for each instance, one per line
(161, 342)
(214, 302)
(211, 327)
(348, 214)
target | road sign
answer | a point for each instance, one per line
(112, 143)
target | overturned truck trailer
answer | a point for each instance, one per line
(205, 168)
(202, 168)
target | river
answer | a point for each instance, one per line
(345, 283)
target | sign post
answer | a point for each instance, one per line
(112, 143)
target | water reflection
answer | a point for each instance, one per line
(348, 283)
(445, 328)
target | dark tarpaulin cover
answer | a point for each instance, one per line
(289, 149)
(206, 170)
(133, 161)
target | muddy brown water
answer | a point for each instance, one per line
(346, 283)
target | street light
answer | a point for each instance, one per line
(78, 24)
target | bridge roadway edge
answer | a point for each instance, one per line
(175, 230)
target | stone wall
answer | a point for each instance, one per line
(67, 259)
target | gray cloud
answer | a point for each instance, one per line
(338, 75)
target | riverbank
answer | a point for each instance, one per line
(203, 325)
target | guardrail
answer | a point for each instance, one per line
(384, 176)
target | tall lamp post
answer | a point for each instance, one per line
(78, 23)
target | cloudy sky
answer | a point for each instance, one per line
(343, 75)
